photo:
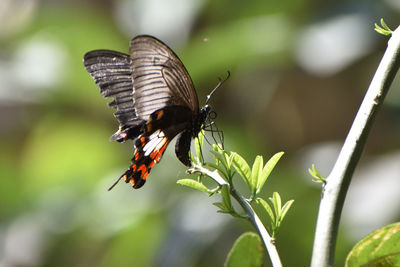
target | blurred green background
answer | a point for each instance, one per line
(299, 70)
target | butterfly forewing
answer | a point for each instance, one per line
(113, 74)
(159, 77)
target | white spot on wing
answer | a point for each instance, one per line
(155, 140)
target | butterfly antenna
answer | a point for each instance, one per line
(115, 183)
(220, 82)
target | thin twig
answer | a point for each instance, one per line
(339, 179)
(250, 213)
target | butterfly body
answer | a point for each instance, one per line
(155, 101)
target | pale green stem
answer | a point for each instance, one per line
(339, 179)
(250, 213)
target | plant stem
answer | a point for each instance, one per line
(252, 216)
(339, 179)
(255, 220)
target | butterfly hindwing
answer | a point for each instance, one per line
(148, 151)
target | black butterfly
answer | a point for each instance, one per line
(155, 101)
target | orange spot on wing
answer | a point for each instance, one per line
(152, 164)
(142, 168)
(161, 152)
(159, 113)
(144, 171)
(153, 154)
(136, 156)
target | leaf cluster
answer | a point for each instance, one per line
(226, 165)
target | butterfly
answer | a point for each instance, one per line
(155, 101)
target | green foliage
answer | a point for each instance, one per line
(194, 184)
(227, 163)
(243, 169)
(223, 162)
(247, 251)
(277, 212)
(318, 177)
(262, 177)
(258, 174)
(226, 205)
(384, 30)
(379, 248)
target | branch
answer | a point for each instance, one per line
(254, 219)
(339, 179)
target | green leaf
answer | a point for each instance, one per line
(191, 157)
(221, 155)
(217, 157)
(242, 168)
(267, 208)
(269, 166)
(285, 209)
(384, 30)
(225, 211)
(216, 148)
(198, 144)
(226, 198)
(217, 167)
(220, 206)
(256, 173)
(228, 158)
(247, 251)
(384, 24)
(379, 248)
(194, 184)
(318, 177)
(277, 203)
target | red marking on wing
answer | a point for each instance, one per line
(152, 164)
(159, 113)
(144, 171)
(160, 153)
(142, 161)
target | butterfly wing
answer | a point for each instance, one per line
(159, 77)
(112, 73)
